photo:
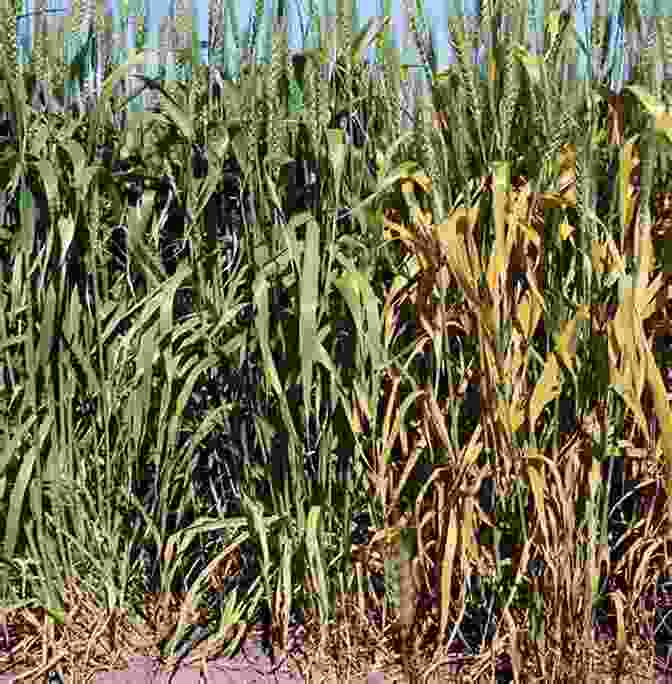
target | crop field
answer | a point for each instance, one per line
(381, 364)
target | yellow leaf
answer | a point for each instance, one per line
(407, 186)
(493, 67)
(567, 339)
(624, 385)
(663, 124)
(502, 186)
(535, 474)
(598, 256)
(360, 410)
(516, 416)
(452, 235)
(547, 389)
(447, 568)
(468, 538)
(424, 217)
(566, 160)
(566, 229)
(492, 278)
(646, 299)
(423, 180)
(472, 451)
(405, 234)
(554, 200)
(528, 313)
(532, 236)
(662, 408)
(594, 477)
(619, 601)
(628, 161)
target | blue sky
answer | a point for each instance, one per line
(436, 11)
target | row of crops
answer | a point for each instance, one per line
(236, 331)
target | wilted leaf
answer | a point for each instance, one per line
(662, 408)
(452, 236)
(547, 389)
(566, 344)
(447, 568)
(536, 476)
(528, 314)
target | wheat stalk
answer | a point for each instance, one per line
(88, 22)
(74, 38)
(216, 41)
(344, 25)
(556, 46)
(183, 25)
(312, 94)
(511, 75)
(664, 30)
(10, 51)
(166, 49)
(39, 56)
(462, 51)
(464, 141)
(599, 44)
(139, 42)
(58, 68)
(251, 116)
(392, 91)
(276, 132)
(426, 136)
(117, 46)
(103, 38)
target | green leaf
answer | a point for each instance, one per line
(220, 143)
(39, 137)
(262, 321)
(405, 170)
(77, 156)
(50, 182)
(204, 188)
(534, 65)
(309, 300)
(657, 109)
(316, 562)
(652, 105)
(173, 113)
(16, 499)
